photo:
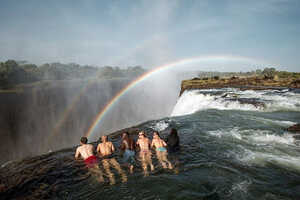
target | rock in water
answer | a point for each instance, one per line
(294, 128)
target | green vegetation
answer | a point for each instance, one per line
(13, 73)
(269, 73)
(267, 78)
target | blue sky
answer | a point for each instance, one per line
(151, 32)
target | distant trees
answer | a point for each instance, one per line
(113, 72)
(258, 72)
(269, 72)
(12, 72)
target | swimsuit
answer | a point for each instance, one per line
(161, 149)
(107, 157)
(128, 156)
(91, 161)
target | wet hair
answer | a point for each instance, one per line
(126, 133)
(156, 133)
(173, 141)
(173, 132)
(104, 136)
(83, 140)
(142, 133)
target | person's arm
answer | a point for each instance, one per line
(132, 144)
(164, 143)
(137, 144)
(99, 150)
(112, 147)
(149, 143)
(77, 154)
(122, 147)
(152, 144)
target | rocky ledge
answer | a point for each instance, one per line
(295, 128)
(244, 83)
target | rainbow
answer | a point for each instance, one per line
(69, 109)
(156, 70)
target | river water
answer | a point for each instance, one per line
(234, 145)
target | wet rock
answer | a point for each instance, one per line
(296, 137)
(296, 84)
(252, 101)
(294, 128)
(2, 188)
(234, 77)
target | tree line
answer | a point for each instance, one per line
(268, 72)
(13, 72)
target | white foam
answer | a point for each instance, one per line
(160, 126)
(261, 159)
(241, 186)
(234, 133)
(192, 101)
(196, 100)
(271, 138)
(271, 121)
(257, 137)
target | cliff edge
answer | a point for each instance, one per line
(243, 83)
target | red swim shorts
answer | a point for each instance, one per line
(91, 161)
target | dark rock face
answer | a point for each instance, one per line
(296, 84)
(296, 137)
(253, 101)
(295, 128)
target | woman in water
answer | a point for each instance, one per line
(161, 151)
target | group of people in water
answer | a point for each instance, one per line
(128, 149)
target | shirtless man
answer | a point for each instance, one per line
(161, 151)
(105, 150)
(86, 152)
(127, 147)
(145, 153)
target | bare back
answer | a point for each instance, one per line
(84, 151)
(105, 148)
(144, 144)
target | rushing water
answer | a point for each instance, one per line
(234, 145)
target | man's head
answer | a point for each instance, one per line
(104, 138)
(173, 132)
(142, 134)
(156, 134)
(83, 140)
(125, 135)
